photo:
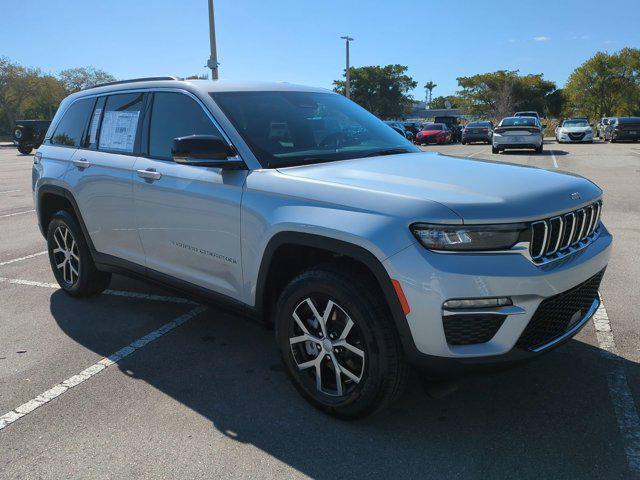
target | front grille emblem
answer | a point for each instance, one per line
(575, 196)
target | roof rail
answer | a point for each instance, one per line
(133, 80)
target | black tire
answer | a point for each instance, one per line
(463, 142)
(25, 150)
(71, 251)
(540, 148)
(494, 149)
(613, 140)
(382, 371)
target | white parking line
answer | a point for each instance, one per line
(117, 293)
(7, 262)
(621, 397)
(10, 191)
(553, 156)
(17, 213)
(94, 369)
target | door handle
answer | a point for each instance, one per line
(82, 163)
(149, 174)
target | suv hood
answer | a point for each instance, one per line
(479, 191)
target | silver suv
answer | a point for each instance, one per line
(300, 207)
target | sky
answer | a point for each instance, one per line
(299, 41)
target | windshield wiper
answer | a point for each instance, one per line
(388, 151)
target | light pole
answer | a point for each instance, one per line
(212, 63)
(347, 87)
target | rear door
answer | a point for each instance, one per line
(60, 148)
(103, 175)
(188, 216)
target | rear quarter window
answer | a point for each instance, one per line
(69, 131)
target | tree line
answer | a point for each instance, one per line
(33, 94)
(605, 85)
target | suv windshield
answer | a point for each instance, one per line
(575, 123)
(518, 121)
(295, 128)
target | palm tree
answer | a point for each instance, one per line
(429, 86)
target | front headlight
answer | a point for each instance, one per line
(468, 237)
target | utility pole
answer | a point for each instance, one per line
(347, 89)
(212, 63)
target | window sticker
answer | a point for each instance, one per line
(93, 131)
(119, 131)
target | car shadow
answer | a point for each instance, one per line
(551, 418)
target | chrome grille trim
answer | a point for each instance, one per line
(573, 228)
(543, 244)
(551, 249)
(554, 237)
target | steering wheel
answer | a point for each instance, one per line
(334, 140)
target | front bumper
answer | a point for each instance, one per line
(575, 138)
(428, 279)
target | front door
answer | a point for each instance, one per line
(188, 217)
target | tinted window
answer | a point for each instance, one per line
(176, 115)
(69, 130)
(292, 128)
(120, 122)
(433, 126)
(479, 124)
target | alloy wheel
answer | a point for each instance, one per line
(66, 256)
(327, 348)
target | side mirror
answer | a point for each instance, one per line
(205, 151)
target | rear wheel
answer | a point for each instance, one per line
(339, 344)
(71, 259)
(494, 149)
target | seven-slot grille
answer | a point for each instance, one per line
(560, 234)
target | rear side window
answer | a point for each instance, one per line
(175, 115)
(120, 122)
(70, 129)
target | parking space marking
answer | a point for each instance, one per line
(621, 397)
(17, 213)
(553, 156)
(75, 380)
(14, 260)
(117, 293)
(10, 191)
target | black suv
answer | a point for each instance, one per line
(28, 134)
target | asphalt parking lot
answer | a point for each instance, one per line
(140, 382)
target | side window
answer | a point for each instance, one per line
(70, 129)
(175, 115)
(120, 122)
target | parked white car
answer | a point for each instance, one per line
(574, 130)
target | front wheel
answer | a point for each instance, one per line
(494, 149)
(71, 259)
(24, 149)
(339, 343)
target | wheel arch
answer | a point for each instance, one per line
(338, 250)
(52, 198)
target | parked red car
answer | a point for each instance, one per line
(434, 133)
